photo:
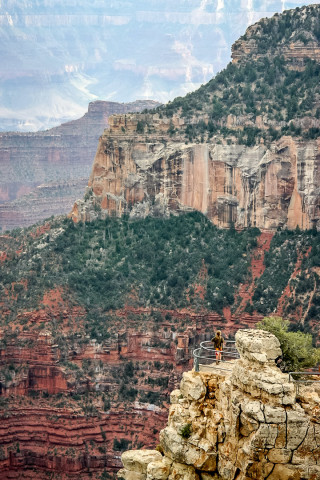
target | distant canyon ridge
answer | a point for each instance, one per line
(42, 173)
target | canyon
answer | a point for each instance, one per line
(101, 311)
(242, 149)
(54, 415)
(71, 402)
(42, 173)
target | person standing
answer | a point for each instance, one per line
(217, 341)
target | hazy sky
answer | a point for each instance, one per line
(58, 55)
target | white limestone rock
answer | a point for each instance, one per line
(178, 449)
(180, 471)
(158, 470)
(192, 386)
(284, 472)
(253, 410)
(297, 427)
(266, 383)
(209, 476)
(175, 396)
(257, 346)
(274, 414)
(138, 460)
(279, 455)
(130, 475)
(248, 424)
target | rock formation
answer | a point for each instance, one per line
(53, 418)
(302, 44)
(246, 421)
(248, 186)
(42, 173)
(244, 149)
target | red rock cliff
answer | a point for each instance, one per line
(156, 164)
(250, 186)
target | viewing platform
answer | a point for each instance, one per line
(205, 357)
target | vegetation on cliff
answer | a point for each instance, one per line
(298, 352)
(159, 263)
(267, 92)
(66, 289)
(292, 273)
(106, 263)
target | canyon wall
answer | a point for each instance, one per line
(242, 149)
(243, 420)
(42, 173)
(264, 186)
(69, 404)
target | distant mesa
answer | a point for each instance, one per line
(42, 173)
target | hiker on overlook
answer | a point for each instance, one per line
(217, 340)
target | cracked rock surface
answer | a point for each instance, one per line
(248, 423)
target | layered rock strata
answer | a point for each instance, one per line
(267, 187)
(42, 173)
(296, 46)
(53, 418)
(245, 422)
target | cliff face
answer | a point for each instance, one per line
(258, 186)
(243, 149)
(54, 421)
(242, 421)
(42, 173)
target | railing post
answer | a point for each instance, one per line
(196, 364)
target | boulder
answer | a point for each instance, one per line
(279, 455)
(138, 460)
(158, 470)
(125, 474)
(274, 414)
(257, 346)
(253, 428)
(192, 386)
(283, 472)
(175, 396)
(180, 450)
(182, 472)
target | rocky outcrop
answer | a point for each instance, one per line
(142, 174)
(296, 45)
(42, 173)
(244, 422)
(39, 441)
(243, 149)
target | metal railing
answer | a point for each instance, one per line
(313, 374)
(304, 381)
(207, 354)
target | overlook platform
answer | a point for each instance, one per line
(205, 357)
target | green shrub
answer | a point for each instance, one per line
(186, 430)
(121, 445)
(297, 350)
